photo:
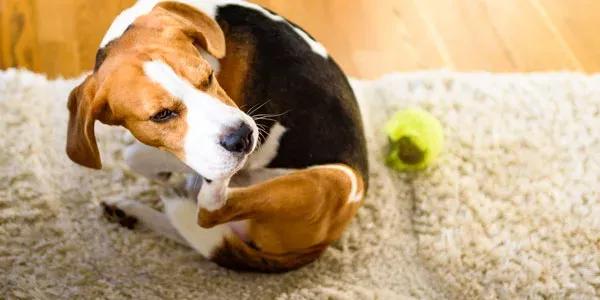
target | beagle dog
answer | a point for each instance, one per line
(247, 103)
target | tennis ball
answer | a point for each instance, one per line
(416, 138)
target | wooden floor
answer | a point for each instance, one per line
(367, 37)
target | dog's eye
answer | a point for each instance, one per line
(163, 116)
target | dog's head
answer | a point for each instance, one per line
(155, 81)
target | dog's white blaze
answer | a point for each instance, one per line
(207, 118)
(354, 195)
(209, 7)
(268, 150)
(142, 7)
(182, 214)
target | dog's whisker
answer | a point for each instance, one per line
(266, 119)
(258, 117)
(262, 127)
(253, 110)
(250, 109)
(262, 116)
(262, 134)
(271, 115)
(260, 106)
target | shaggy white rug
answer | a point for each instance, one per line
(510, 210)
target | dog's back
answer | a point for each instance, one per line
(293, 80)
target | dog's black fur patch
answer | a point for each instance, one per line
(307, 93)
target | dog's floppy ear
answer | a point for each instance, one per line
(199, 26)
(83, 112)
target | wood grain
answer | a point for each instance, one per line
(89, 23)
(2, 56)
(368, 38)
(466, 36)
(577, 25)
(59, 50)
(19, 38)
(533, 44)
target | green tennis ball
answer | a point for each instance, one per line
(416, 139)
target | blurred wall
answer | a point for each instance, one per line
(60, 37)
(368, 38)
(57, 37)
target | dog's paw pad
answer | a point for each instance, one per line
(117, 215)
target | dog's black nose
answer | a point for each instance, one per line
(238, 140)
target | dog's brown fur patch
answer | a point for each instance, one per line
(288, 217)
(237, 255)
(236, 65)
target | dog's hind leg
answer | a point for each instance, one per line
(181, 213)
(129, 212)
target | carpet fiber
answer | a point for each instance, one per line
(510, 210)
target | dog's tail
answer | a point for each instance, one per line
(238, 255)
(222, 246)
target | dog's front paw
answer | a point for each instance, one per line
(116, 215)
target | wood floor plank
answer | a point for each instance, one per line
(314, 17)
(57, 38)
(500, 36)
(527, 36)
(91, 26)
(19, 39)
(395, 37)
(2, 33)
(468, 35)
(578, 24)
(367, 40)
